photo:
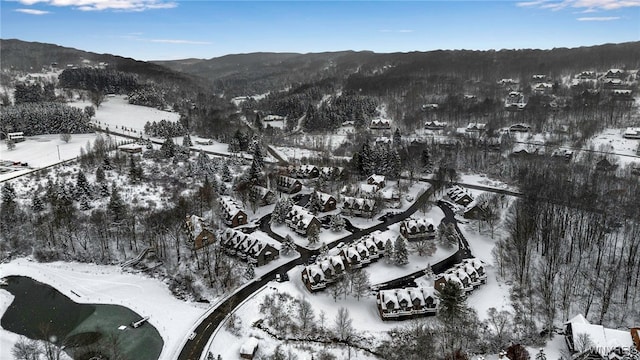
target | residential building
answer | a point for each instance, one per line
(476, 127)
(469, 274)
(232, 213)
(459, 195)
(398, 304)
(435, 125)
(300, 220)
(305, 171)
(520, 128)
(325, 202)
(199, 232)
(380, 124)
(604, 341)
(358, 206)
(323, 272)
(288, 185)
(377, 180)
(418, 229)
(247, 247)
(632, 133)
(263, 195)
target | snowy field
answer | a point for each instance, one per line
(102, 284)
(611, 141)
(45, 150)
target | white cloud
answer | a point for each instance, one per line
(99, 5)
(590, 5)
(598, 18)
(32, 11)
(176, 41)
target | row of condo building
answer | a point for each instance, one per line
(247, 247)
(358, 254)
(395, 304)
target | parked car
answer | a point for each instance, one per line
(282, 277)
(192, 336)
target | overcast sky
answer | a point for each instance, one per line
(166, 30)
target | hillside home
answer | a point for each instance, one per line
(435, 125)
(131, 148)
(614, 84)
(263, 195)
(459, 195)
(418, 229)
(331, 172)
(232, 213)
(288, 185)
(383, 141)
(199, 232)
(631, 133)
(407, 303)
(476, 127)
(539, 77)
(300, 220)
(604, 341)
(542, 88)
(358, 207)
(380, 124)
(377, 180)
(305, 171)
(586, 75)
(247, 247)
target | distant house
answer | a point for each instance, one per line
(300, 220)
(331, 172)
(358, 207)
(586, 75)
(539, 77)
(426, 107)
(131, 148)
(199, 232)
(564, 154)
(542, 88)
(380, 124)
(247, 247)
(614, 83)
(304, 171)
(418, 229)
(249, 348)
(263, 195)
(614, 74)
(407, 303)
(507, 82)
(270, 118)
(622, 94)
(288, 185)
(377, 180)
(383, 140)
(515, 101)
(17, 136)
(435, 125)
(459, 195)
(232, 214)
(476, 127)
(631, 133)
(604, 342)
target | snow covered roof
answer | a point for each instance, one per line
(603, 339)
(368, 189)
(230, 206)
(422, 223)
(476, 126)
(391, 299)
(324, 198)
(436, 123)
(351, 202)
(249, 346)
(376, 179)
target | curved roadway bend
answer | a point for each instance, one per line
(193, 349)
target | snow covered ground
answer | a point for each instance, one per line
(103, 284)
(611, 140)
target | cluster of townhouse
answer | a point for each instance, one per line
(329, 269)
(358, 206)
(469, 275)
(380, 124)
(398, 304)
(247, 247)
(308, 171)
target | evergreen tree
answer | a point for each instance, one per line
(250, 272)
(258, 156)
(117, 207)
(288, 246)
(400, 254)
(11, 144)
(336, 223)
(84, 203)
(82, 185)
(313, 234)
(315, 203)
(106, 163)
(324, 249)
(135, 171)
(186, 141)
(104, 190)
(397, 138)
(389, 252)
(100, 174)
(226, 173)
(36, 203)
(234, 146)
(8, 195)
(168, 148)
(255, 172)
(452, 302)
